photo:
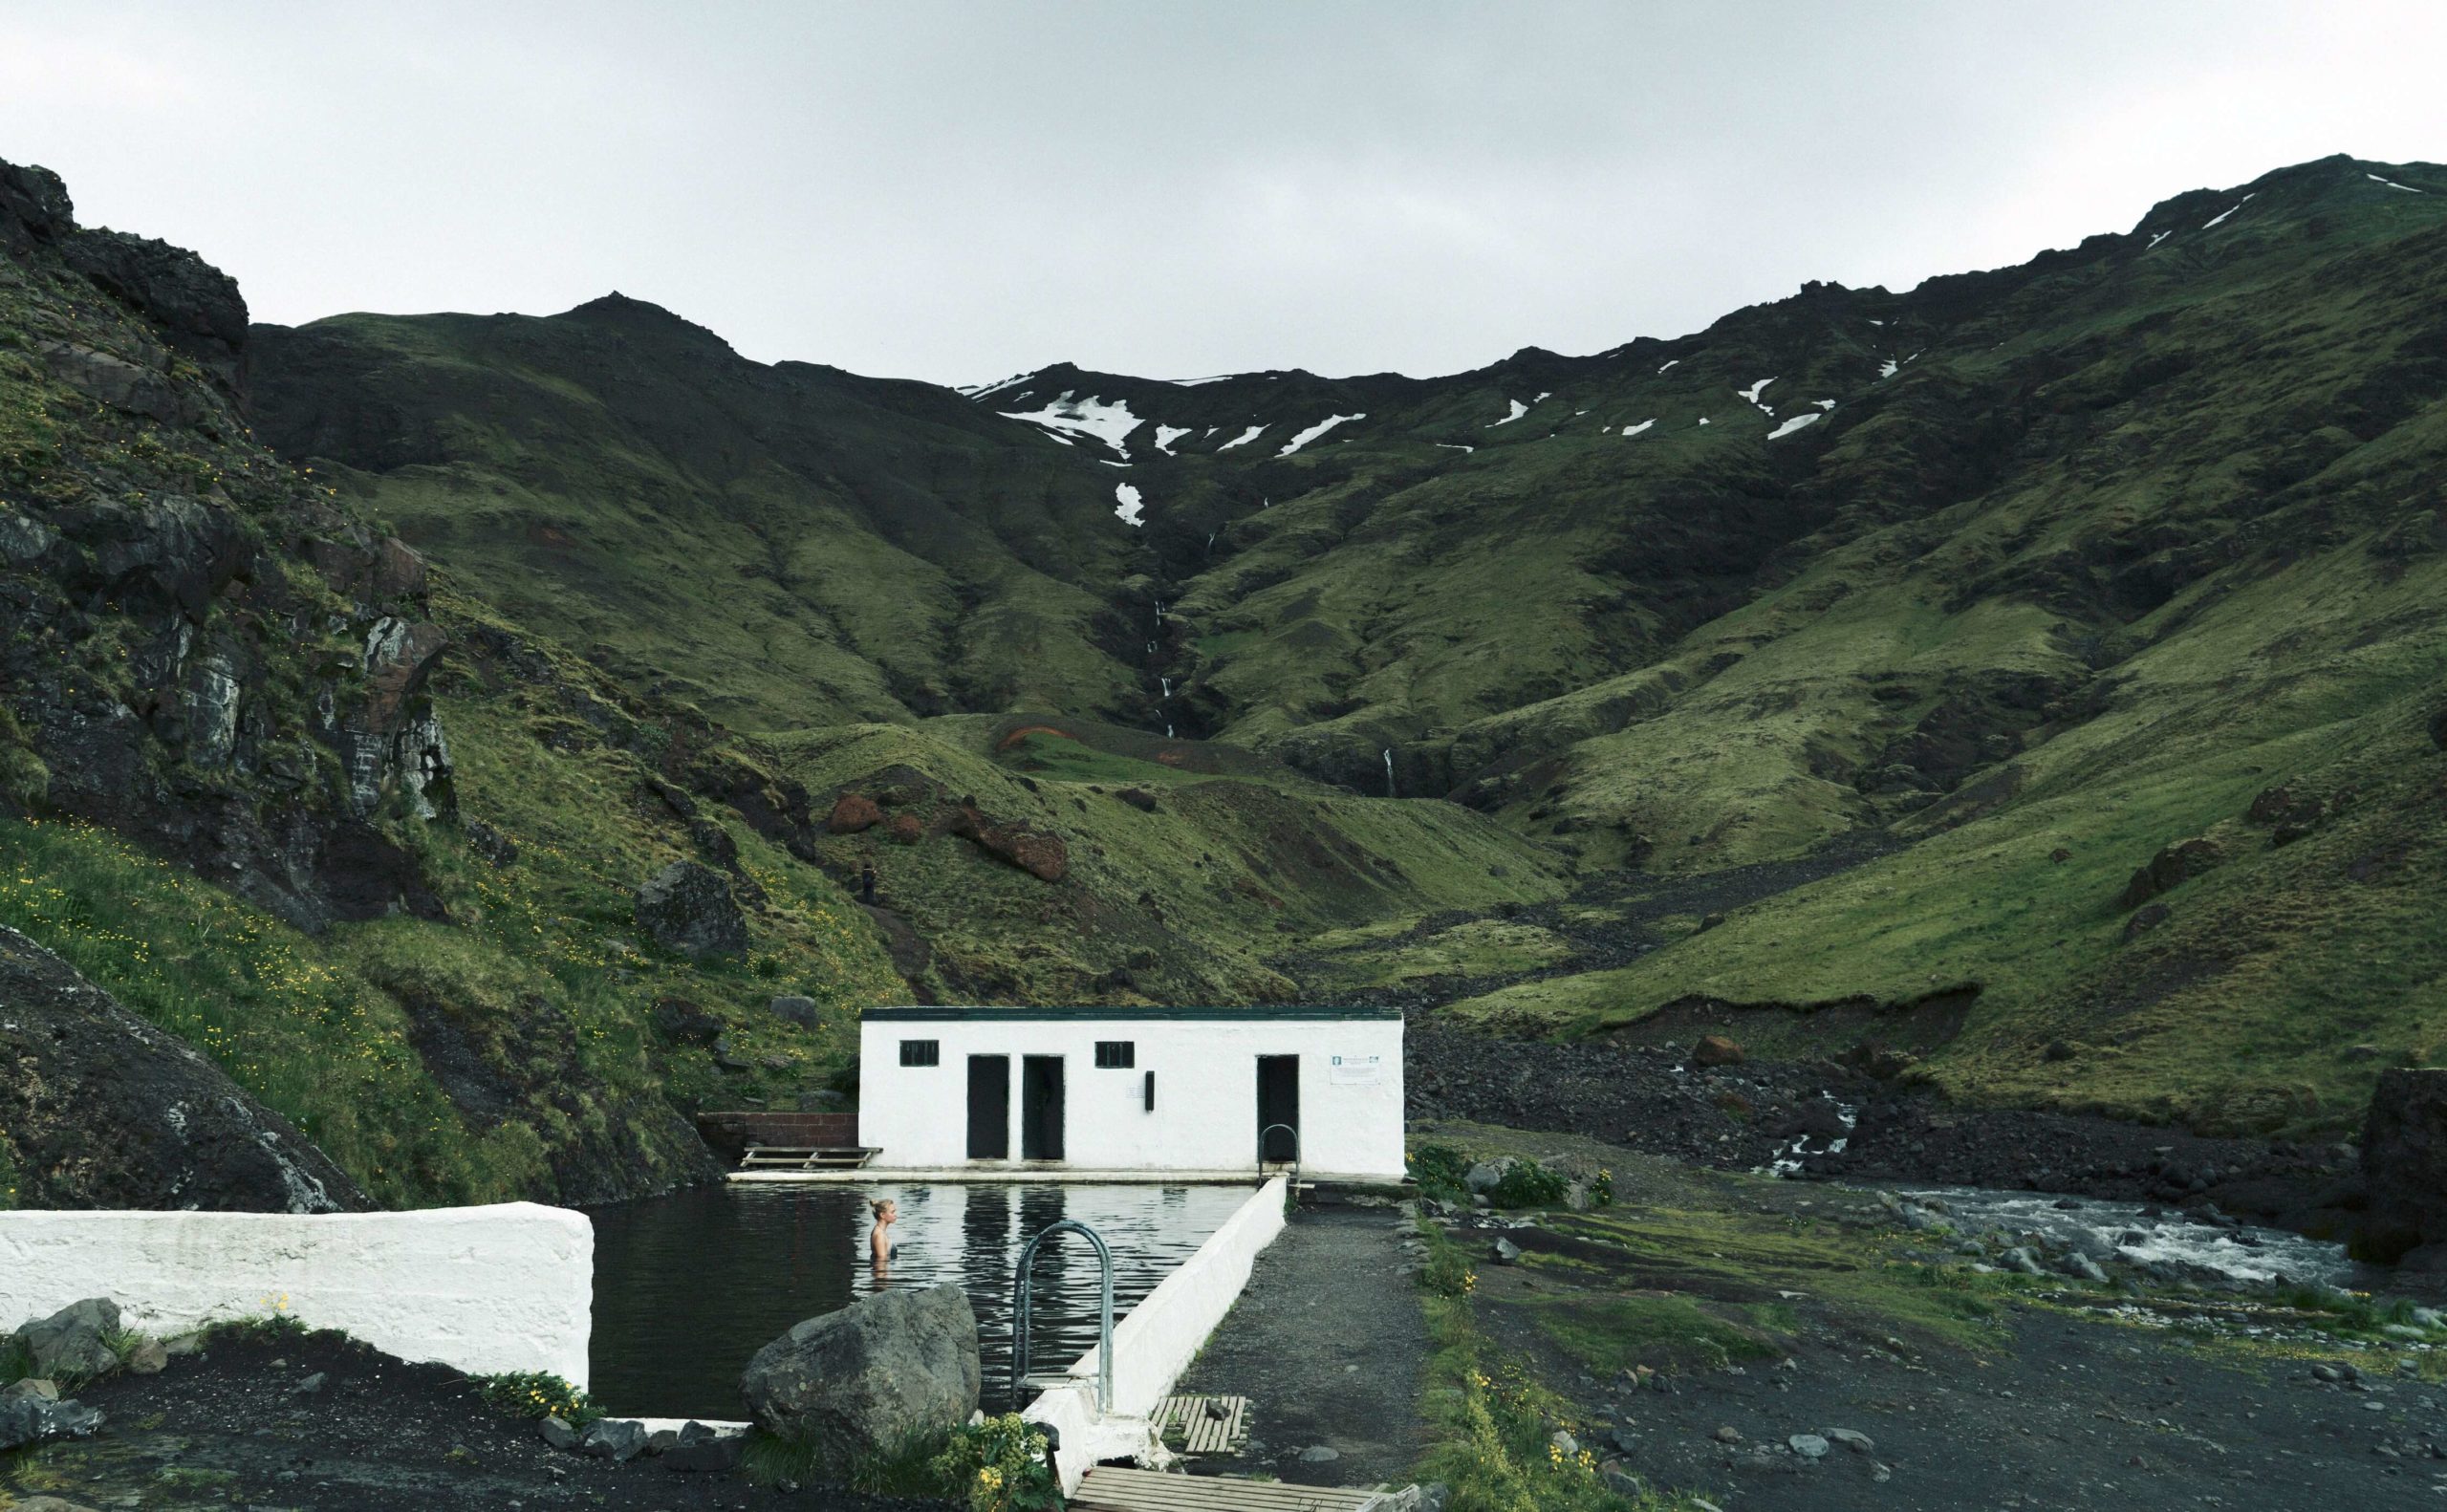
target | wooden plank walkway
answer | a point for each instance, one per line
(1209, 1425)
(1108, 1488)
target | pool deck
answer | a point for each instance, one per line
(1052, 1173)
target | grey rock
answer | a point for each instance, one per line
(311, 1386)
(663, 1440)
(1486, 1173)
(71, 1340)
(687, 908)
(616, 1439)
(36, 1419)
(1727, 1435)
(1319, 1454)
(1506, 1252)
(795, 1010)
(2082, 1266)
(884, 1370)
(1860, 1443)
(149, 1357)
(557, 1433)
(1809, 1446)
(2021, 1259)
(32, 1386)
(1564, 1443)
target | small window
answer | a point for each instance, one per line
(921, 1052)
(1116, 1055)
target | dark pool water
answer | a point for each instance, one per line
(687, 1287)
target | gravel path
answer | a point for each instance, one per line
(1328, 1342)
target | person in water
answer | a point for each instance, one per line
(879, 1245)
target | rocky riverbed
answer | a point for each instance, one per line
(1710, 1105)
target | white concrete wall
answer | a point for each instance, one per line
(1156, 1343)
(1205, 1115)
(482, 1290)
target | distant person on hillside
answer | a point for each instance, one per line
(867, 883)
(879, 1245)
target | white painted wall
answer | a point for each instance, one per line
(1156, 1343)
(1205, 1115)
(482, 1290)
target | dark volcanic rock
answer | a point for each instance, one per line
(2404, 1163)
(106, 1110)
(2171, 867)
(689, 908)
(881, 1373)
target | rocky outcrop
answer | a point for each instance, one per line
(879, 1375)
(102, 1110)
(687, 908)
(73, 1343)
(852, 812)
(2404, 1169)
(1042, 856)
(2170, 869)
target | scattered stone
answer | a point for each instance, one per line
(311, 1386)
(1809, 1446)
(1858, 1442)
(2022, 1260)
(72, 1342)
(1727, 1435)
(1506, 1252)
(557, 1433)
(37, 1420)
(1715, 1049)
(687, 908)
(2083, 1266)
(149, 1357)
(885, 1371)
(1487, 1174)
(616, 1439)
(32, 1386)
(1563, 1442)
(1319, 1454)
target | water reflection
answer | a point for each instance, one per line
(687, 1287)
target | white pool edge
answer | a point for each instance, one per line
(1156, 1343)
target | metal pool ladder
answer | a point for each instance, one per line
(1021, 1280)
(1295, 1154)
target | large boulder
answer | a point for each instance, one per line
(2404, 1164)
(1715, 1049)
(74, 1342)
(1042, 856)
(872, 1379)
(852, 812)
(687, 907)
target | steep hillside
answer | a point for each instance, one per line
(364, 843)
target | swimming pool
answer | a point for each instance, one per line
(688, 1285)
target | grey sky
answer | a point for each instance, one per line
(959, 192)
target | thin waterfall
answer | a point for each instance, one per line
(1389, 773)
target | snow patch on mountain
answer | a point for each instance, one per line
(1166, 435)
(980, 390)
(1634, 430)
(1087, 417)
(2394, 185)
(1314, 431)
(1519, 409)
(1797, 422)
(1127, 504)
(1243, 439)
(1752, 393)
(2229, 211)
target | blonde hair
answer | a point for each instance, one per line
(877, 1205)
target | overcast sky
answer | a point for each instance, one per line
(959, 192)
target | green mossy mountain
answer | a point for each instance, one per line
(2087, 554)
(357, 673)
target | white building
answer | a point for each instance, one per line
(1131, 1090)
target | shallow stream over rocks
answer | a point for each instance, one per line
(2183, 1246)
